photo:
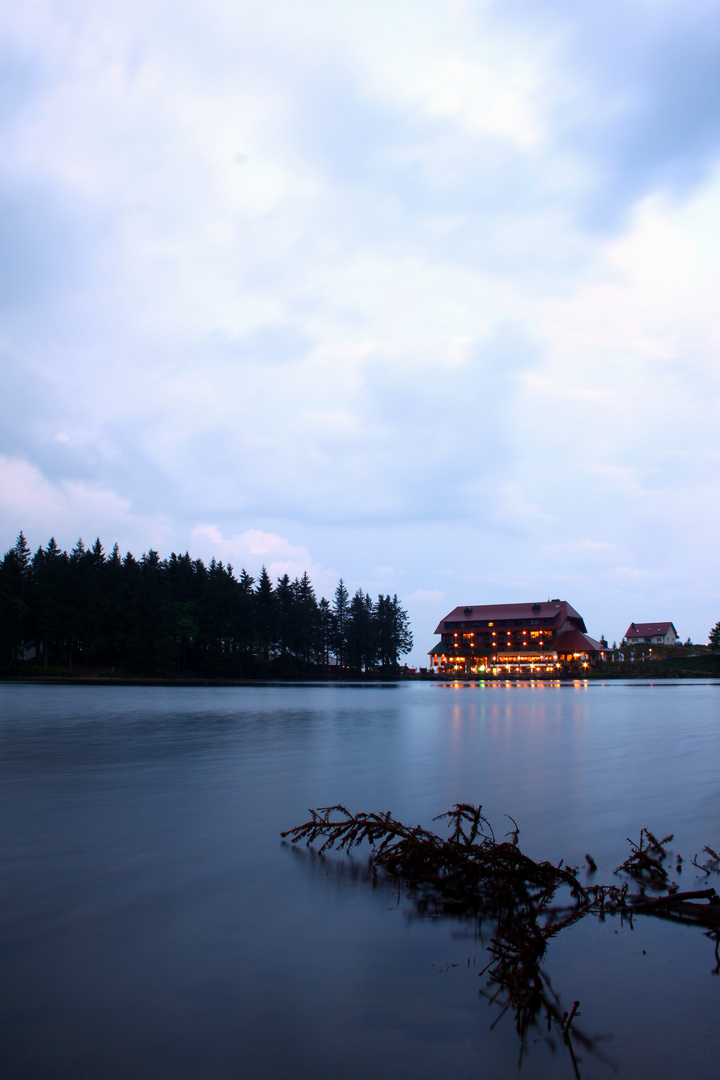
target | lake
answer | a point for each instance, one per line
(153, 923)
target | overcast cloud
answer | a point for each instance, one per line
(423, 294)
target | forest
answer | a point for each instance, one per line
(177, 617)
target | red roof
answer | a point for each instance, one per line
(557, 610)
(572, 641)
(647, 629)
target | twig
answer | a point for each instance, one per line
(568, 1022)
(676, 898)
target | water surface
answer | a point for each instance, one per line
(153, 924)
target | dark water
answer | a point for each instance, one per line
(153, 925)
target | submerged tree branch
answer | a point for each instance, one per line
(473, 875)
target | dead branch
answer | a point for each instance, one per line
(471, 874)
(676, 898)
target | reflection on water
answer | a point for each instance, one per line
(153, 924)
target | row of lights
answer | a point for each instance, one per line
(508, 667)
(538, 633)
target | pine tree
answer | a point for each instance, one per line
(325, 629)
(163, 616)
(15, 618)
(52, 585)
(340, 611)
(307, 618)
(22, 554)
(361, 633)
(284, 608)
(243, 619)
(265, 614)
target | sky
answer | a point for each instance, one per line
(419, 294)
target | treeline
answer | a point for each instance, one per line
(178, 616)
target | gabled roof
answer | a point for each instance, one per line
(557, 610)
(572, 641)
(647, 629)
(438, 650)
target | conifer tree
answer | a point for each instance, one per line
(49, 570)
(22, 554)
(265, 613)
(325, 628)
(178, 615)
(307, 618)
(284, 608)
(340, 611)
(361, 635)
(14, 597)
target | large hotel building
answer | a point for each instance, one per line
(514, 638)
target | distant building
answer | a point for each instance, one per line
(646, 633)
(539, 636)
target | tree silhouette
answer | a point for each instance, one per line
(177, 616)
(340, 611)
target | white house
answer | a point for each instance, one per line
(655, 633)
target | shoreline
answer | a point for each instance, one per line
(568, 678)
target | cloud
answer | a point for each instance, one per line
(31, 502)
(429, 287)
(42, 246)
(254, 549)
(637, 108)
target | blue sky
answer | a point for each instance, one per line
(423, 294)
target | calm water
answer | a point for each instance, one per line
(154, 925)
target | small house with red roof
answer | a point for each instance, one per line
(646, 633)
(535, 637)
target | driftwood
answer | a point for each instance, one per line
(678, 898)
(472, 871)
(471, 874)
(469, 870)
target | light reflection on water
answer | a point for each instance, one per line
(154, 925)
